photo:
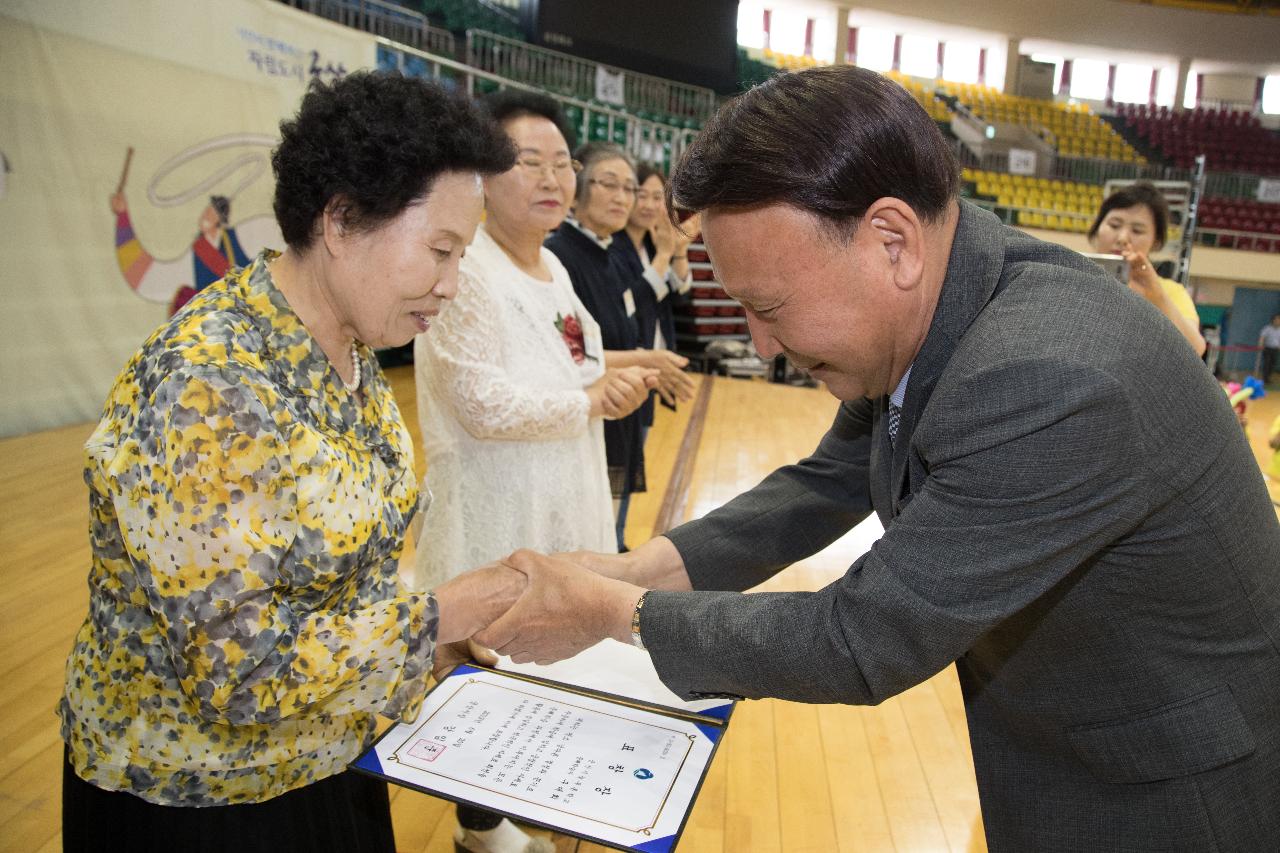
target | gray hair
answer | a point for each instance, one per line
(591, 155)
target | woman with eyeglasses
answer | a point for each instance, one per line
(606, 194)
(657, 252)
(514, 392)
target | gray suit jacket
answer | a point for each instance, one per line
(1072, 516)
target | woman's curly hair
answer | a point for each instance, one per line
(378, 141)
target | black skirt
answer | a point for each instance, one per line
(348, 812)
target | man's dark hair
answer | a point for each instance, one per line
(829, 141)
(507, 104)
(1132, 196)
(378, 141)
(222, 207)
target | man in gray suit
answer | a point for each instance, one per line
(1071, 513)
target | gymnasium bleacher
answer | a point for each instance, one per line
(1073, 129)
(1136, 142)
(1232, 140)
(1241, 224)
(1052, 204)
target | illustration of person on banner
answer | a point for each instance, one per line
(217, 248)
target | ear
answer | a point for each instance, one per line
(335, 227)
(893, 228)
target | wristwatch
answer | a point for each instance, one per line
(635, 623)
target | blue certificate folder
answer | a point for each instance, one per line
(651, 807)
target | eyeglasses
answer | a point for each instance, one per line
(611, 186)
(535, 166)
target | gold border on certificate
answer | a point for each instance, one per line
(646, 830)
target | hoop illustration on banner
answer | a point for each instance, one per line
(218, 245)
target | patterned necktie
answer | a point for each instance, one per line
(895, 416)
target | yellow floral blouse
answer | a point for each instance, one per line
(246, 621)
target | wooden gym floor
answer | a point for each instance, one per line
(789, 777)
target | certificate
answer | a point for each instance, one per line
(605, 768)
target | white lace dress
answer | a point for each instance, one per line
(513, 461)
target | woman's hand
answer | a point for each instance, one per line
(455, 654)
(471, 601)
(1143, 279)
(665, 239)
(621, 391)
(673, 383)
(683, 236)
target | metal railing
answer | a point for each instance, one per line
(652, 141)
(1094, 170)
(1225, 238)
(575, 77)
(379, 18)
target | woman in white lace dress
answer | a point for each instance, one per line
(512, 393)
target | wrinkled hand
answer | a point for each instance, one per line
(664, 237)
(564, 609)
(452, 655)
(625, 389)
(474, 599)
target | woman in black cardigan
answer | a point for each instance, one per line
(606, 192)
(656, 254)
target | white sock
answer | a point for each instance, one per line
(506, 837)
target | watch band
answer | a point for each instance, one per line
(635, 623)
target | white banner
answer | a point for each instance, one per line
(609, 86)
(120, 126)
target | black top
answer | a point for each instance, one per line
(598, 278)
(648, 309)
(653, 314)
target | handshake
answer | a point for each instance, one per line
(534, 607)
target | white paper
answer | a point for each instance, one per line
(616, 668)
(592, 768)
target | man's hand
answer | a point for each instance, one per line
(615, 566)
(565, 608)
(654, 565)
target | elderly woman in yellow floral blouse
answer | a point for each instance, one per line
(250, 484)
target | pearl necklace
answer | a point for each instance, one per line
(354, 384)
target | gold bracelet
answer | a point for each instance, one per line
(635, 622)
